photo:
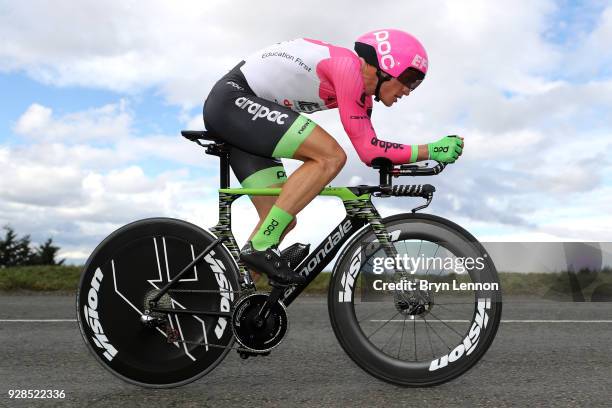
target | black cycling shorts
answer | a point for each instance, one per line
(259, 131)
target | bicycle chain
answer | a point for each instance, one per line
(204, 291)
(237, 348)
(173, 335)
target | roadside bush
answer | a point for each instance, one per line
(15, 251)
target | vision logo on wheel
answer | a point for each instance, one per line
(348, 279)
(90, 311)
(470, 341)
(225, 290)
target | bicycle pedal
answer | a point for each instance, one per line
(295, 253)
(246, 354)
(278, 285)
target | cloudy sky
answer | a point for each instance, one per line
(94, 94)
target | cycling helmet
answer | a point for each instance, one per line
(394, 53)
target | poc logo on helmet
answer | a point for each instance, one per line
(384, 48)
(260, 111)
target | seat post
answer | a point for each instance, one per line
(217, 148)
(224, 174)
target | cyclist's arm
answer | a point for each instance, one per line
(348, 85)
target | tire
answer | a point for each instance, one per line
(469, 337)
(120, 276)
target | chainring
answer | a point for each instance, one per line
(258, 339)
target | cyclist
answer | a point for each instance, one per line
(258, 108)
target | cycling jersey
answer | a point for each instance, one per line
(258, 105)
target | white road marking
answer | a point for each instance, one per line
(503, 321)
(556, 321)
(395, 320)
(36, 320)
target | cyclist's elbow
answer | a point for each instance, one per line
(365, 156)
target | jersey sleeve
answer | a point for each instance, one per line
(355, 109)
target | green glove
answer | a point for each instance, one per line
(445, 150)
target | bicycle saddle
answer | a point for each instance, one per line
(194, 135)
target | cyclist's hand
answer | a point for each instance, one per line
(446, 150)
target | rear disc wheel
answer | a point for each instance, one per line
(125, 271)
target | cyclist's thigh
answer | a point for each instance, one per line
(319, 144)
(256, 171)
(253, 124)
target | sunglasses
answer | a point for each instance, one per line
(411, 78)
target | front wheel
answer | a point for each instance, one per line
(424, 317)
(126, 271)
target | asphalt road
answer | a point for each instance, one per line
(529, 364)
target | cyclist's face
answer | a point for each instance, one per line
(391, 91)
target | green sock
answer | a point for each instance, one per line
(271, 229)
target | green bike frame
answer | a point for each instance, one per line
(359, 212)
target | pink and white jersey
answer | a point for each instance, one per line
(308, 76)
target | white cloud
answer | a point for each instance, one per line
(107, 123)
(533, 141)
(195, 122)
(36, 184)
(592, 53)
(61, 183)
(183, 48)
(99, 138)
(34, 119)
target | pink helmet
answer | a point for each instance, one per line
(396, 53)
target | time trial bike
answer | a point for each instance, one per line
(161, 302)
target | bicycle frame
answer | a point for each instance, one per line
(238, 314)
(359, 212)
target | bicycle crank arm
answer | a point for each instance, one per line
(275, 295)
(244, 352)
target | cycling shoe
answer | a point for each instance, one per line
(270, 262)
(296, 253)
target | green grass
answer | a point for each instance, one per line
(562, 285)
(545, 285)
(40, 278)
(318, 286)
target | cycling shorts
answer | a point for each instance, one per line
(259, 131)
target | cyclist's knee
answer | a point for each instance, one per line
(338, 159)
(333, 160)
